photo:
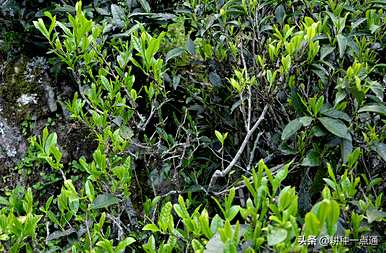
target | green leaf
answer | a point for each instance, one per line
(373, 28)
(145, 5)
(220, 137)
(51, 141)
(126, 132)
(330, 172)
(53, 218)
(319, 104)
(175, 52)
(320, 72)
(374, 214)
(357, 23)
(290, 129)
(215, 79)
(333, 216)
(104, 200)
(346, 149)
(312, 224)
(123, 244)
(56, 152)
(190, 46)
(197, 246)
(106, 83)
(282, 174)
(42, 28)
(318, 131)
(216, 223)
(380, 148)
(333, 113)
(336, 127)
(377, 88)
(215, 244)
(276, 235)
(151, 227)
(149, 247)
(165, 220)
(3, 201)
(232, 212)
(322, 210)
(90, 192)
(285, 198)
(280, 14)
(118, 15)
(325, 50)
(377, 108)
(342, 44)
(312, 159)
(306, 121)
(105, 244)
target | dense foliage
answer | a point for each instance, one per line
(211, 126)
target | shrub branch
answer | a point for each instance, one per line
(219, 173)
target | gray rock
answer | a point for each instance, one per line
(12, 145)
(50, 97)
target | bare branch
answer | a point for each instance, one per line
(219, 173)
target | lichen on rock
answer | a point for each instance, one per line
(25, 90)
(12, 145)
(26, 93)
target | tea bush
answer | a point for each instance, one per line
(221, 126)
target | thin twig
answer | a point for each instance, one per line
(252, 155)
(219, 173)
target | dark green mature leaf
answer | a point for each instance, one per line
(105, 200)
(318, 131)
(290, 129)
(190, 46)
(321, 72)
(58, 234)
(175, 52)
(161, 18)
(326, 50)
(280, 14)
(118, 15)
(294, 125)
(312, 159)
(286, 149)
(377, 108)
(215, 79)
(336, 127)
(145, 5)
(306, 121)
(346, 149)
(333, 113)
(380, 148)
(377, 88)
(342, 44)
(357, 23)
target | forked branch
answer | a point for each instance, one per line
(223, 173)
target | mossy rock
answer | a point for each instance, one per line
(23, 90)
(12, 149)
